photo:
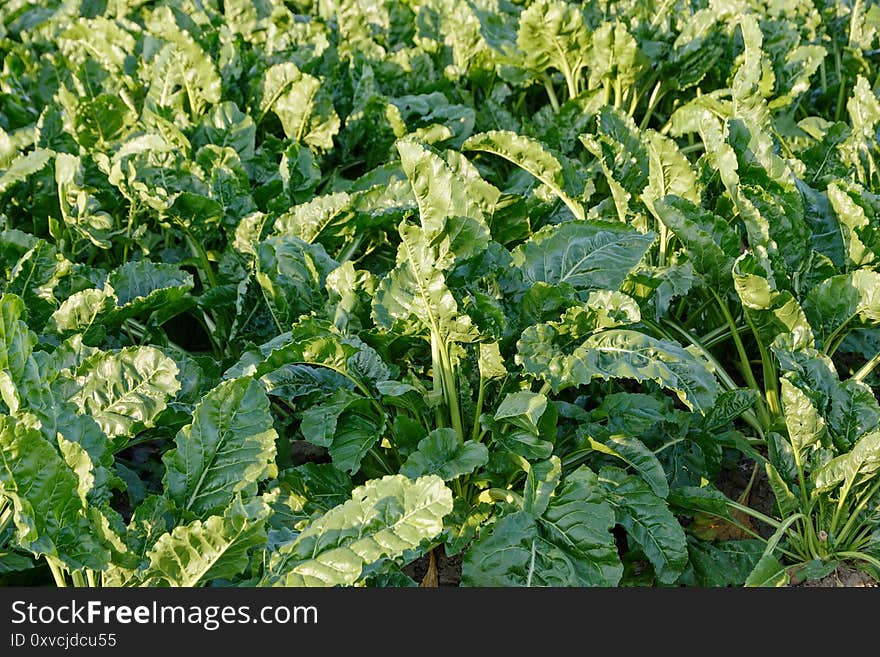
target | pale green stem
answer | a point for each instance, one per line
(548, 85)
(867, 368)
(57, 571)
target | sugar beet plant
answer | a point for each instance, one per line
(302, 293)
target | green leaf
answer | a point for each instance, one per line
(688, 500)
(461, 526)
(712, 245)
(321, 485)
(441, 193)
(228, 448)
(23, 167)
(34, 278)
(729, 405)
(787, 502)
(491, 362)
(542, 479)
(16, 341)
(805, 426)
(50, 516)
(226, 125)
(309, 221)
(125, 390)
(292, 275)
(649, 522)
(414, 295)
(216, 548)
(748, 101)
(768, 572)
(570, 544)
(835, 302)
(142, 286)
(616, 354)
(864, 113)
(864, 459)
(669, 172)
(182, 79)
(385, 518)
(855, 212)
(520, 425)
(530, 155)
(588, 255)
(440, 453)
(346, 425)
(553, 34)
(79, 312)
(772, 312)
(633, 452)
(725, 563)
(613, 58)
(301, 104)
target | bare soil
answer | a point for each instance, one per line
(844, 576)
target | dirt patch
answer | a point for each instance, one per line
(844, 577)
(448, 568)
(732, 482)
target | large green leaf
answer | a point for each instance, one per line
(143, 285)
(385, 518)
(669, 172)
(520, 425)
(201, 551)
(50, 516)
(805, 426)
(347, 425)
(864, 459)
(839, 300)
(441, 453)
(300, 103)
(228, 448)
(16, 341)
(633, 452)
(414, 295)
(125, 390)
(768, 572)
(443, 193)
(553, 34)
(712, 245)
(292, 275)
(725, 563)
(531, 156)
(616, 354)
(569, 544)
(648, 522)
(24, 166)
(588, 255)
(771, 312)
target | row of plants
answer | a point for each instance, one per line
(301, 293)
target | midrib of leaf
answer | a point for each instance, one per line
(434, 327)
(571, 203)
(573, 268)
(642, 524)
(222, 433)
(130, 394)
(27, 280)
(275, 98)
(362, 529)
(210, 564)
(679, 380)
(306, 115)
(566, 69)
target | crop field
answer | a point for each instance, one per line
(389, 293)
